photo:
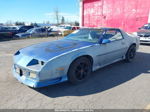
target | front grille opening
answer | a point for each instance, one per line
(33, 62)
(42, 62)
(21, 72)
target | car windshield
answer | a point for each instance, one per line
(30, 30)
(13, 28)
(147, 27)
(9, 28)
(89, 35)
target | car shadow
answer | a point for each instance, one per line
(5, 39)
(145, 44)
(103, 79)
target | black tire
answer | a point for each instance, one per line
(79, 70)
(130, 55)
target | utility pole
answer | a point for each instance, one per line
(56, 13)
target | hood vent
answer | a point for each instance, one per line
(33, 62)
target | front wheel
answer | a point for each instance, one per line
(79, 70)
(130, 55)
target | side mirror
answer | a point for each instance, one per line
(104, 41)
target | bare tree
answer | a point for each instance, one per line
(9, 23)
(19, 23)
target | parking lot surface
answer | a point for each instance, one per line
(117, 86)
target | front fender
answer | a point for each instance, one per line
(74, 57)
(58, 67)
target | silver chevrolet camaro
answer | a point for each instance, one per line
(74, 57)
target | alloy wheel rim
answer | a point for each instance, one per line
(132, 54)
(81, 71)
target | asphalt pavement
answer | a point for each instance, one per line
(117, 86)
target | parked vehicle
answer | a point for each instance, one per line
(59, 29)
(53, 32)
(23, 29)
(69, 29)
(11, 31)
(34, 32)
(64, 29)
(8, 32)
(146, 26)
(74, 57)
(144, 33)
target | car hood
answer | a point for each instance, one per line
(47, 50)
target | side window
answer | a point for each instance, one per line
(23, 29)
(145, 27)
(113, 35)
(38, 31)
(43, 30)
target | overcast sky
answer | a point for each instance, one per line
(37, 10)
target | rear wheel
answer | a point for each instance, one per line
(79, 70)
(130, 55)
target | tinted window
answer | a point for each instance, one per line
(146, 26)
(31, 30)
(5, 28)
(25, 28)
(43, 30)
(38, 30)
(13, 28)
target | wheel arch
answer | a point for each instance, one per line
(71, 78)
(86, 56)
(133, 44)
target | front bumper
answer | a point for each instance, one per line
(144, 39)
(34, 83)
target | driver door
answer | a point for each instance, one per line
(113, 50)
